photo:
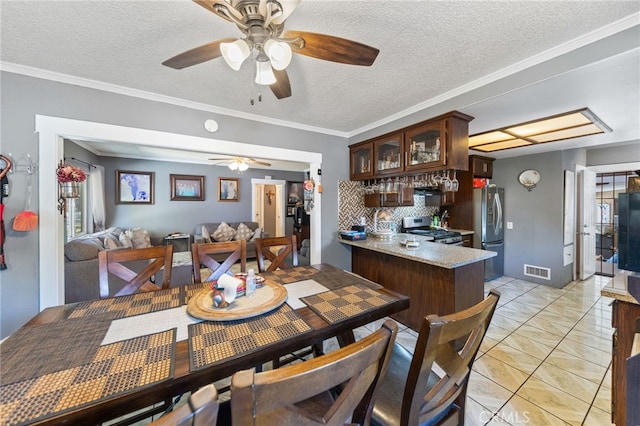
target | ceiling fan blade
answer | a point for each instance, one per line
(333, 49)
(282, 87)
(210, 6)
(262, 163)
(197, 55)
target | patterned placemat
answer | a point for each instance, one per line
(340, 304)
(43, 349)
(133, 304)
(193, 289)
(338, 278)
(115, 369)
(211, 342)
(287, 276)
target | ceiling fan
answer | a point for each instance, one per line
(262, 23)
(240, 163)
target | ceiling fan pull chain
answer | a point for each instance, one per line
(253, 77)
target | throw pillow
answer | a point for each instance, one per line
(111, 242)
(256, 234)
(224, 232)
(205, 234)
(243, 232)
(82, 249)
(125, 240)
(139, 237)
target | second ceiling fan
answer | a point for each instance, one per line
(240, 163)
(262, 22)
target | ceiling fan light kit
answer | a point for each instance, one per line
(262, 23)
(279, 53)
(235, 53)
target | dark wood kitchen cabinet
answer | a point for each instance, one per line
(361, 161)
(404, 197)
(388, 155)
(624, 315)
(481, 167)
(440, 143)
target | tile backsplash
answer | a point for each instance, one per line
(351, 207)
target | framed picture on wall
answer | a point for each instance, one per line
(134, 187)
(187, 188)
(228, 189)
(295, 192)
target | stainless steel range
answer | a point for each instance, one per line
(421, 225)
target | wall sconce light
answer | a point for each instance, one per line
(529, 179)
(270, 195)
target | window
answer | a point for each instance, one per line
(76, 213)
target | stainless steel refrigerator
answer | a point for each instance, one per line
(488, 221)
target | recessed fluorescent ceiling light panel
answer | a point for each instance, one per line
(569, 125)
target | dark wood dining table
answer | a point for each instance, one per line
(57, 369)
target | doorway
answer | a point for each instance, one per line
(606, 227)
(51, 133)
(268, 205)
(608, 186)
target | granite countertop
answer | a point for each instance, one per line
(442, 255)
(617, 289)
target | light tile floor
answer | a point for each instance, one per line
(546, 358)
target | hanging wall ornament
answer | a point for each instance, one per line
(308, 186)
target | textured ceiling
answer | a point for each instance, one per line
(427, 49)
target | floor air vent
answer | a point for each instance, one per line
(537, 271)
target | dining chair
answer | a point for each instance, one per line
(201, 254)
(113, 262)
(201, 409)
(279, 260)
(305, 393)
(412, 393)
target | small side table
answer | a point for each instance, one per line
(181, 242)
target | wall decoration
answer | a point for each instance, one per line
(134, 187)
(295, 193)
(187, 188)
(228, 189)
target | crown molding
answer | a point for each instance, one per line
(128, 91)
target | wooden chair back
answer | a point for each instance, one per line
(201, 256)
(300, 394)
(436, 343)
(263, 251)
(200, 410)
(111, 262)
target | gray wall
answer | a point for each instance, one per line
(537, 234)
(166, 216)
(621, 154)
(24, 97)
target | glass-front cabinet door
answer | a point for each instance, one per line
(388, 155)
(426, 147)
(361, 161)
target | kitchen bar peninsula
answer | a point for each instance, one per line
(438, 278)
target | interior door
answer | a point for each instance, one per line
(587, 222)
(258, 197)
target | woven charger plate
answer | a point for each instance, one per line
(265, 299)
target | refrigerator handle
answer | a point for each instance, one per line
(498, 224)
